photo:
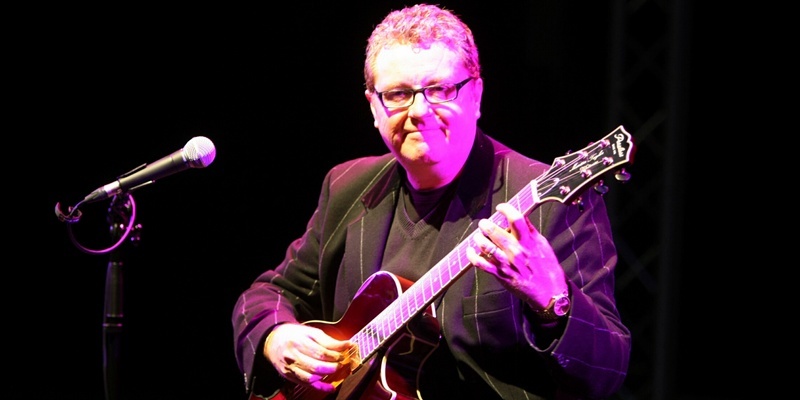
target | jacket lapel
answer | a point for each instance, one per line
(368, 232)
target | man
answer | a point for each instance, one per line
(535, 318)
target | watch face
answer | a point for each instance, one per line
(561, 306)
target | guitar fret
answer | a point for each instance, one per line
(413, 298)
(405, 311)
(431, 286)
(453, 264)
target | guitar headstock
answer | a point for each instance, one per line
(571, 174)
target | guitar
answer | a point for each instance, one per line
(391, 320)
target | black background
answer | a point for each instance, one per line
(279, 90)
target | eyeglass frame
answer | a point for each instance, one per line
(422, 90)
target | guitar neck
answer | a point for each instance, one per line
(562, 182)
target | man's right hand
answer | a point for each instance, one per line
(305, 354)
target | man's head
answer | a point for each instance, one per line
(420, 26)
(424, 87)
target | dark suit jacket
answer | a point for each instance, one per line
(498, 345)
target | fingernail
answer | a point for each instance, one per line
(485, 226)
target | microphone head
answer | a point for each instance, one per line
(199, 152)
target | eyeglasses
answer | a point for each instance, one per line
(435, 94)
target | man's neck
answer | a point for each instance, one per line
(430, 178)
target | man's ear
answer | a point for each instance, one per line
(477, 90)
(372, 109)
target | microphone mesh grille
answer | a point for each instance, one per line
(199, 151)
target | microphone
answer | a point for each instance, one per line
(199, 152)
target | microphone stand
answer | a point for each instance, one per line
(119, 214)
(197, 153)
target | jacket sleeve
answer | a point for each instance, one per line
(591, 356)
(286, 293)
(298, 289)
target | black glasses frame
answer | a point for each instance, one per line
(422, 90)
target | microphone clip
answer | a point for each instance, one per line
(72, 217)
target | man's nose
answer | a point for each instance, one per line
(420, 106)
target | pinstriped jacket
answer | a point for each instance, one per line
(492, 334)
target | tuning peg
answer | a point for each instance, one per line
(601, 188)
(578, 202)
(622, 175)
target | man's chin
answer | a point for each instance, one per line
(418, 156)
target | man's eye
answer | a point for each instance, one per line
(396, 95)
(438, 93)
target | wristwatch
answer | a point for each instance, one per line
(557, 308)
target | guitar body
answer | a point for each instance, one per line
(390, 373)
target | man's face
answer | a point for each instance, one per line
(426, 138)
